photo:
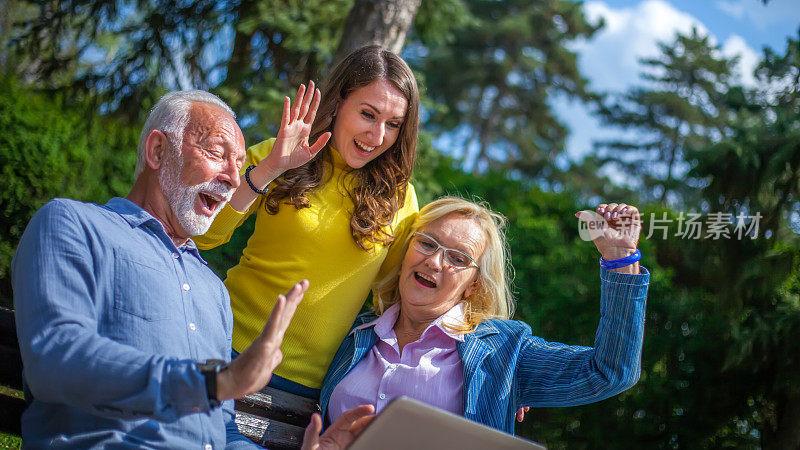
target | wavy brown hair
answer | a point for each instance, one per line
(380, 186)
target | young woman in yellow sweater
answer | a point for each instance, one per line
(328, 211)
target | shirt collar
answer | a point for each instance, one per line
(129, 211)
(453, 317)
(337, 159)
(137, 217)
(385, 322)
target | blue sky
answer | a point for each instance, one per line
(609, 59)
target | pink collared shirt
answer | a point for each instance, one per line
(429, 370)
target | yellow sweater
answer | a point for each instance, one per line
(313, 243)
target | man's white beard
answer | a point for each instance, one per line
(182, 198)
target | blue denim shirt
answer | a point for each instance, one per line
(111, 318)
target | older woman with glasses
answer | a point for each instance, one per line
(440, 331)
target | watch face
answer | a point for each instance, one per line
(212, 365)
(209, 369)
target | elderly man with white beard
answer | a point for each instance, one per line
(125, 332)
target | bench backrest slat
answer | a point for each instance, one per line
(11, 408)
(11, 369)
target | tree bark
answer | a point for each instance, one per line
(237, 65)
(382, 22)
(787, 434)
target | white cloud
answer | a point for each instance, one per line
(610, 60)
(734, 9)
(755, 11)
(735, 45)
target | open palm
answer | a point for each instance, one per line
(291, 148)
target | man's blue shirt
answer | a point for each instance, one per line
(111, 318)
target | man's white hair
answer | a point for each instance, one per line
(170, 115)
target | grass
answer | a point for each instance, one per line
(5, 390)
(10, 440)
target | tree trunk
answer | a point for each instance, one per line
(383, 22)
(787, 434)
(239, 62)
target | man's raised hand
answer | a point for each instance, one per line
(252, 369)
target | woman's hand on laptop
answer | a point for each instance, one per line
(342, 433)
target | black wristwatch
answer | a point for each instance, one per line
(210, 368)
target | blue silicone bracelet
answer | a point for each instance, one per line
(622, 262)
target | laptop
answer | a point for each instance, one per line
(409, 424)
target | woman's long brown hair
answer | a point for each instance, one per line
(380, 186)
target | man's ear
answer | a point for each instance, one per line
(156, 147)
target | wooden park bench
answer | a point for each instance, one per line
(11, 407)
(271, 418)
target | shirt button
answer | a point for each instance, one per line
(185, 287)
(192, 326)
(382, 396)
(175, 256)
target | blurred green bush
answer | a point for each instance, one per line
(51, 148)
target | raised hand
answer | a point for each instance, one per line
(614, 229)
(291, 148)
(252, 369)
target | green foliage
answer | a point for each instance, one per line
(507, 57)
(757, 166)
(276, 47)
(10, 441)
(680, 108)
(436, 22)
(742, 147)
(756, 170)
(496, 77)
(678, 403)
(50, 149)
(719, 368)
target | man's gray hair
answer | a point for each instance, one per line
(170, 115)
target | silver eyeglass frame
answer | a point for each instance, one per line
(446, 249)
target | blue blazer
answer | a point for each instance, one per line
(506, 367)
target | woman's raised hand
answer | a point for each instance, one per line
(614, 228)
(291, 148)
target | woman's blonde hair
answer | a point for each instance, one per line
(493, 298)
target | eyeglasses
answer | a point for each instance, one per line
(452, 257)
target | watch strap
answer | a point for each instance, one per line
(210, 368)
